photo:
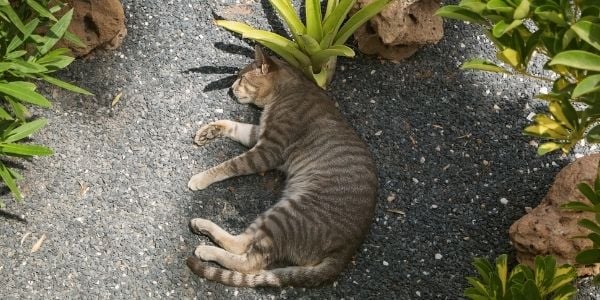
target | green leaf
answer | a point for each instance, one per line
(313, 18)
(475, 6)
(502, 271)
(267, 38)
(26, 67)
(588, 224)
(17, 40)
(548, 147)
(57, 58)
(483, 267)
(41, 10)
(595, 238)
(531, 291)
(522, 10)
(501, 27)
(578, 206)
(14, 18)
(510, 56)
(15, 54)
(358, 19)
(578, 59)
(25, 130)
(588, 85)
(18, 109)
(500, 6)
(25, 92)
(327, 40)
(321, 57)
(311, 45)
(459, 13)
(588, 257)
(10, 182)
(589, 32)
(588, 192)
(56, 32)
(550, 13)
(478, 286)
(593, 136)
(331, 4)
(25, 149)
(65, 85)
(283, 53)
(4, 115)
(72, 38)
(483, 65)
(334, 21)
(288, 15)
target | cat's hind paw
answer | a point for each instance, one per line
(208, 132)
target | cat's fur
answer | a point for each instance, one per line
(329, 199)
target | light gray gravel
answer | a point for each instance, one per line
(454, 169)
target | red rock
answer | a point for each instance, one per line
(548, 229)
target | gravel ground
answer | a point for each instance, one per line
(454, 169)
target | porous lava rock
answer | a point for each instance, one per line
(399, 30)
(549, 229)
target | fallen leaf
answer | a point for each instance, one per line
(83, 188)
(117, 99)
(391, 197)
(36, 247)
(396, 211)
(24, 237)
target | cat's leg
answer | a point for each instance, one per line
(236, 244)
(258, 159)
(248, 263)
(246, 134)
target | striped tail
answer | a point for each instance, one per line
(297, 276)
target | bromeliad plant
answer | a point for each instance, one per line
(546, 281)
(314, 46)
(592, 193)
(567, 34)
(28, 32)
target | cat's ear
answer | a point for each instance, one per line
(263, 60)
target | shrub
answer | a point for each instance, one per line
(592, 193)
(316, 44)
(28, 32)
(547, 281)
(567, 34)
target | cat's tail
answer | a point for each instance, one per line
(298, 276)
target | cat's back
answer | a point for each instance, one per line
(324, 156)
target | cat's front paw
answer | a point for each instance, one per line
(207, 133)
(200, 226)
(199, 181)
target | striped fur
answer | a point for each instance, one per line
(328, 203)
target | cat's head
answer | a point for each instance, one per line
(256, 82)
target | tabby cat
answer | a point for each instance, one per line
(328, 203)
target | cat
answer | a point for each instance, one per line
(329, 199)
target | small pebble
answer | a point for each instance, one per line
(385, 263)
(504, 201)
(438, 256)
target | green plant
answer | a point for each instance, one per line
(316, 44)
(567, 34)
(547, 281)
(28, 32)
(592, 193)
